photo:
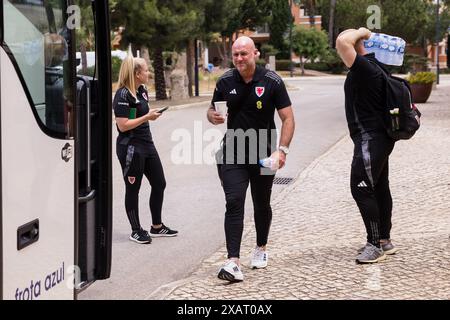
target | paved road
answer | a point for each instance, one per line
(194, 202)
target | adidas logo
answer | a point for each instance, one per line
(233, 91)
(362, 184)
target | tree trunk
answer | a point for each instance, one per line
(158, 66)
(225, 63)
(425, 46)
(83, 58)
(302, 65)
(311, 7)
(229, 53)
(331, 24)
(190, 55)
(134, 50)
(145, 54)
(219, 50)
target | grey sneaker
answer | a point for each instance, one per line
(388, 248)
(370, 254)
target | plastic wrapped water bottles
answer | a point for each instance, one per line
(270, 162)
(388, 49)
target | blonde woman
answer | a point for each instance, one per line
(135, 149)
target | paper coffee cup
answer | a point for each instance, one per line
(221, 107)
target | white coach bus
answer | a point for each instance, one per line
(55, 149)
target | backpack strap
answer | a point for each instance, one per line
(386, 76)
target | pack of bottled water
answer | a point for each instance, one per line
(388, 49)
(270, 163)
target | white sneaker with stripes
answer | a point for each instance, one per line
(140, 236)
(230, 271)
(259, 258)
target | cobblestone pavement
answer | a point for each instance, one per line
(317, 229)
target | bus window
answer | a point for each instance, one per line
(85, 40)
(38, 38)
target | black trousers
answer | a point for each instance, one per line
(134, 166)
(369, 184)
(235, 180)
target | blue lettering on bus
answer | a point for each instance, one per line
(34, 290)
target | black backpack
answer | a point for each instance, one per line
(402, 118)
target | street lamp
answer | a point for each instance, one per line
(196, 75)
(290, 40)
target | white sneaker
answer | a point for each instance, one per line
(259, 258)
(230, 271)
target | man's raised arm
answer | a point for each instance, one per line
(346, 42)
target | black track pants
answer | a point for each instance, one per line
(235, 181)
(369, 184)
(134, 166)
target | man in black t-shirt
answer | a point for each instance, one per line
(365, 108)
(252, 95)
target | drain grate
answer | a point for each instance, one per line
(282, 180)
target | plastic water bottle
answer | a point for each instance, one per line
(368, 44)
(384, 55)
(401, 47)
(392, 51)
(372, 45)
(388, 50)
(271, 163)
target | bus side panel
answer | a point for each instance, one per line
(37, 185)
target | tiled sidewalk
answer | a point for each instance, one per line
(317, 229)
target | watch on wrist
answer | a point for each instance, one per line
(284, 149)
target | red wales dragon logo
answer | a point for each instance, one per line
(259, 91)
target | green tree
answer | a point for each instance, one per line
(218, 15)
(309, 44)
(331, 23)
(412, 20)
(197, 32)
(427, 33)
(268, 50)
(251, 14)
(158, 25)
(404, 19)
(243, 14)
(347, 14)
(279, 24)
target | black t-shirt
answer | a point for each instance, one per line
(252, 105)
(365, 99)
(126, 106)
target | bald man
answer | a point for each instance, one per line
(252, 95)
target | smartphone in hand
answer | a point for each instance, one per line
(163, 109)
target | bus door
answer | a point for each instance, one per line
(93, 142)
(55, 136)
